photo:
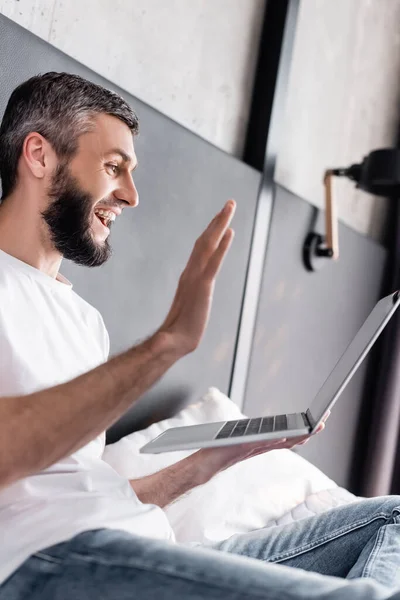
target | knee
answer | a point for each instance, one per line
(388, 504)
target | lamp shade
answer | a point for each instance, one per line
(379, 172)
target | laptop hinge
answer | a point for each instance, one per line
(310, 419)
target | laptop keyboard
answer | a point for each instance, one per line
(252, 426)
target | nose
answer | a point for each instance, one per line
(128, 192)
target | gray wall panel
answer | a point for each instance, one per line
(304, 323)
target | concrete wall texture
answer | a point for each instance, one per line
(343, 101)
(195, 62)
(192, 60)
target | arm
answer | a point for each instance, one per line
(167, 485)
(38, 429)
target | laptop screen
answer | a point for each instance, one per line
(353, 356)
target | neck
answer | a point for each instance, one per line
(24, 233)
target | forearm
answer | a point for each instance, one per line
(38, 429)
(167, 485)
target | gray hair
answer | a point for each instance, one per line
(59, 106)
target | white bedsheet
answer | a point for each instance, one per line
(315, 504)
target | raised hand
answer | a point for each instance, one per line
(190, 310)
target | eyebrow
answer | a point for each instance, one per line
(125, 157)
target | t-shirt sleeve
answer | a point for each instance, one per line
(98, 329)
(106, 345)
(105, 338)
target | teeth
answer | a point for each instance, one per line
(106, 213)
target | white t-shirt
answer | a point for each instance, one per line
(50, 335)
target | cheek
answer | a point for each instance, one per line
(96, 183)
(102, 192)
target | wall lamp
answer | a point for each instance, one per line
(378, 174)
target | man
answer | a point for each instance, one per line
(71, 526)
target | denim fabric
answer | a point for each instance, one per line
(356, 547)
(360, 539)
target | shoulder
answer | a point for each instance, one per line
(6, 276)
(94, 320)
(9, 288)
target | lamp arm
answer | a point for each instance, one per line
(331, 216)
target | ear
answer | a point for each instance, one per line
(38, 155)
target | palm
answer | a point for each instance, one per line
(222, 457)
(190, 310)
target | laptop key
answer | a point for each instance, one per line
(226, 430)
(280, 423)
(267, 425)
(254, 426)
(240, 428)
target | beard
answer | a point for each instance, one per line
(69, 219)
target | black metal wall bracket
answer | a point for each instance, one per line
(315, 251)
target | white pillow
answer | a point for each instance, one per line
(244, 497)
(124, 455)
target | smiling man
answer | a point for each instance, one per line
(71, 527)
(91, 160)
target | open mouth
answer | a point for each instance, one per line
(105, 217)
(103, 221)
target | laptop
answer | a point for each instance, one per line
(224, 433)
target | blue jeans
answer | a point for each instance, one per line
(349, 553)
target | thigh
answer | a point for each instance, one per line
(329, 543)
(110, 564)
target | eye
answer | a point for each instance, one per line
(114, 168)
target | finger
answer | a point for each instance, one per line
(215, 233)
(278, 445)
(263, 446)
(291, 442)
(279, 442)
(271, 445)
(219, 224)
(282, 442)
(298, 439)
(225, 215)
(215, 262)
(320, 428)
(210, 239)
